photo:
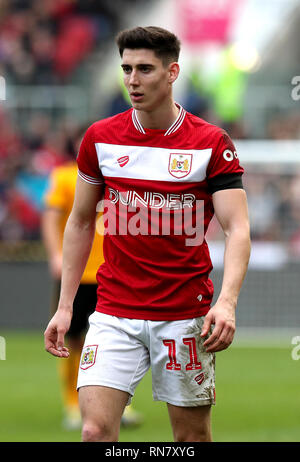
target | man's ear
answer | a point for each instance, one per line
(174, 70)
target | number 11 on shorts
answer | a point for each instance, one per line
(173, 365)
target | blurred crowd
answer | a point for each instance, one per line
(274, 205)
(44, 42)
(26, 160)
(284, 126)
(274, 208)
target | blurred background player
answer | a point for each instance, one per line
(58, 204)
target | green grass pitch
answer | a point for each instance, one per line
(257, 390)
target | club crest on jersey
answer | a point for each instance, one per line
(88, 356)
(180, 164)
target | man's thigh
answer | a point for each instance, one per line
(102, 404)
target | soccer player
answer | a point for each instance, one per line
(58, 205)
(163, 173)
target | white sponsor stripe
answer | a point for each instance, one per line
(149, 163)
(89, 179)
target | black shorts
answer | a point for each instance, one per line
(84, 305)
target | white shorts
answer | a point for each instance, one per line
(118, 352)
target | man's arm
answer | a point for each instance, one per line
(77, 243)
(232, 213)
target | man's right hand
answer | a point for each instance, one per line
(55, 333)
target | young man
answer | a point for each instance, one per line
(163, 173)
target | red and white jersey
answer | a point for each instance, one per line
(158, 185)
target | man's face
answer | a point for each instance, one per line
(146, 78)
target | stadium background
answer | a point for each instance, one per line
(240, 66)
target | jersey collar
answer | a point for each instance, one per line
(174, 127)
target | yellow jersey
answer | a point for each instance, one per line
(60, 195)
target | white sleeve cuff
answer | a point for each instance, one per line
(90, 179)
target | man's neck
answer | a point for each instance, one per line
(160, 119)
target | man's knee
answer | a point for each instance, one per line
(202, 434)
(101, 410)
(97, 432)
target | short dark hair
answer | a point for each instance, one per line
(164, 43)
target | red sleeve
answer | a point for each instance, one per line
(87, 159)
(224, 159)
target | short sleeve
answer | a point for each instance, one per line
(87, 159)
(224, 159)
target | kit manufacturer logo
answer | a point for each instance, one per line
(122, 161)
